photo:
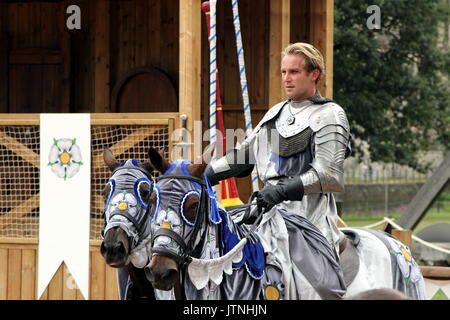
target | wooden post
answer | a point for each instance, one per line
(405, 236)
(190, 66)
(101, 93)
(341, 223)
(427, 194)
(321, 36)
(279, 39)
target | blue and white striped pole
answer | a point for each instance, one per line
(243, 78)
(212, 74)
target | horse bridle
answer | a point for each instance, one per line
(139, 225)
(186, 248)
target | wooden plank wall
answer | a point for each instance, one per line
(312, 21)
(83, 58)
(27, 29)
(33, 25)
(143, 33)
(18, 277)
(139, 32)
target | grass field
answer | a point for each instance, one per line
(440, 211)
(433, 216)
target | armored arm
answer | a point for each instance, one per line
(331, 139)
(236, 163)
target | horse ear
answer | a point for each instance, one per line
(157, 160)
(110, 159)
(148, 166)
(199, 166)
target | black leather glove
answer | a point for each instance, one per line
(287, 189)
(211, 175)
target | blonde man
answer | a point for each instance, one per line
(298, 149)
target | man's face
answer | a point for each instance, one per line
(297, 82)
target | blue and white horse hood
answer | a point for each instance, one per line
(125, 207)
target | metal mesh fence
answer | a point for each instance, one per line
(374, 172)
(383, 188)
(19, 171)
(19, 181)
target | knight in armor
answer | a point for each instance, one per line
(298, 148)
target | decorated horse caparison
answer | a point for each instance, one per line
(195, 245)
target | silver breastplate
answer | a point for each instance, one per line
(290, 123)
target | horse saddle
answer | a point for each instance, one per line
(348, 255)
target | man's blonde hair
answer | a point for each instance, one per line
(313, 57)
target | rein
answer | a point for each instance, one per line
(185, 258)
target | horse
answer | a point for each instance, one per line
(127, 197)
(196, 243)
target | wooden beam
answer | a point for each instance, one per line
(341, 223)
(155, 117)
(423, 200)
(435, 272)
(190, 65)
(102, 57)
(20, 211)
(19, 149)
(321, 36)
(150, 118)
(20, 119)
(126, 143)
(279, 39)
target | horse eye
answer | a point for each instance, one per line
(190, 209)
(144, 191)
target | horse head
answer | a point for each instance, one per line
(127, 197)
(179, 206)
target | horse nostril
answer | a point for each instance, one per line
(117, 248)
(169, 275)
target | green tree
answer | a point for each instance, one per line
(394, 82)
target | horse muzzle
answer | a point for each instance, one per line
(115, 248)
(162, 272)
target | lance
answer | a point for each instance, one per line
(243, 81)
(230, 196)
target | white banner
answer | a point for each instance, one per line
(65, 190)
